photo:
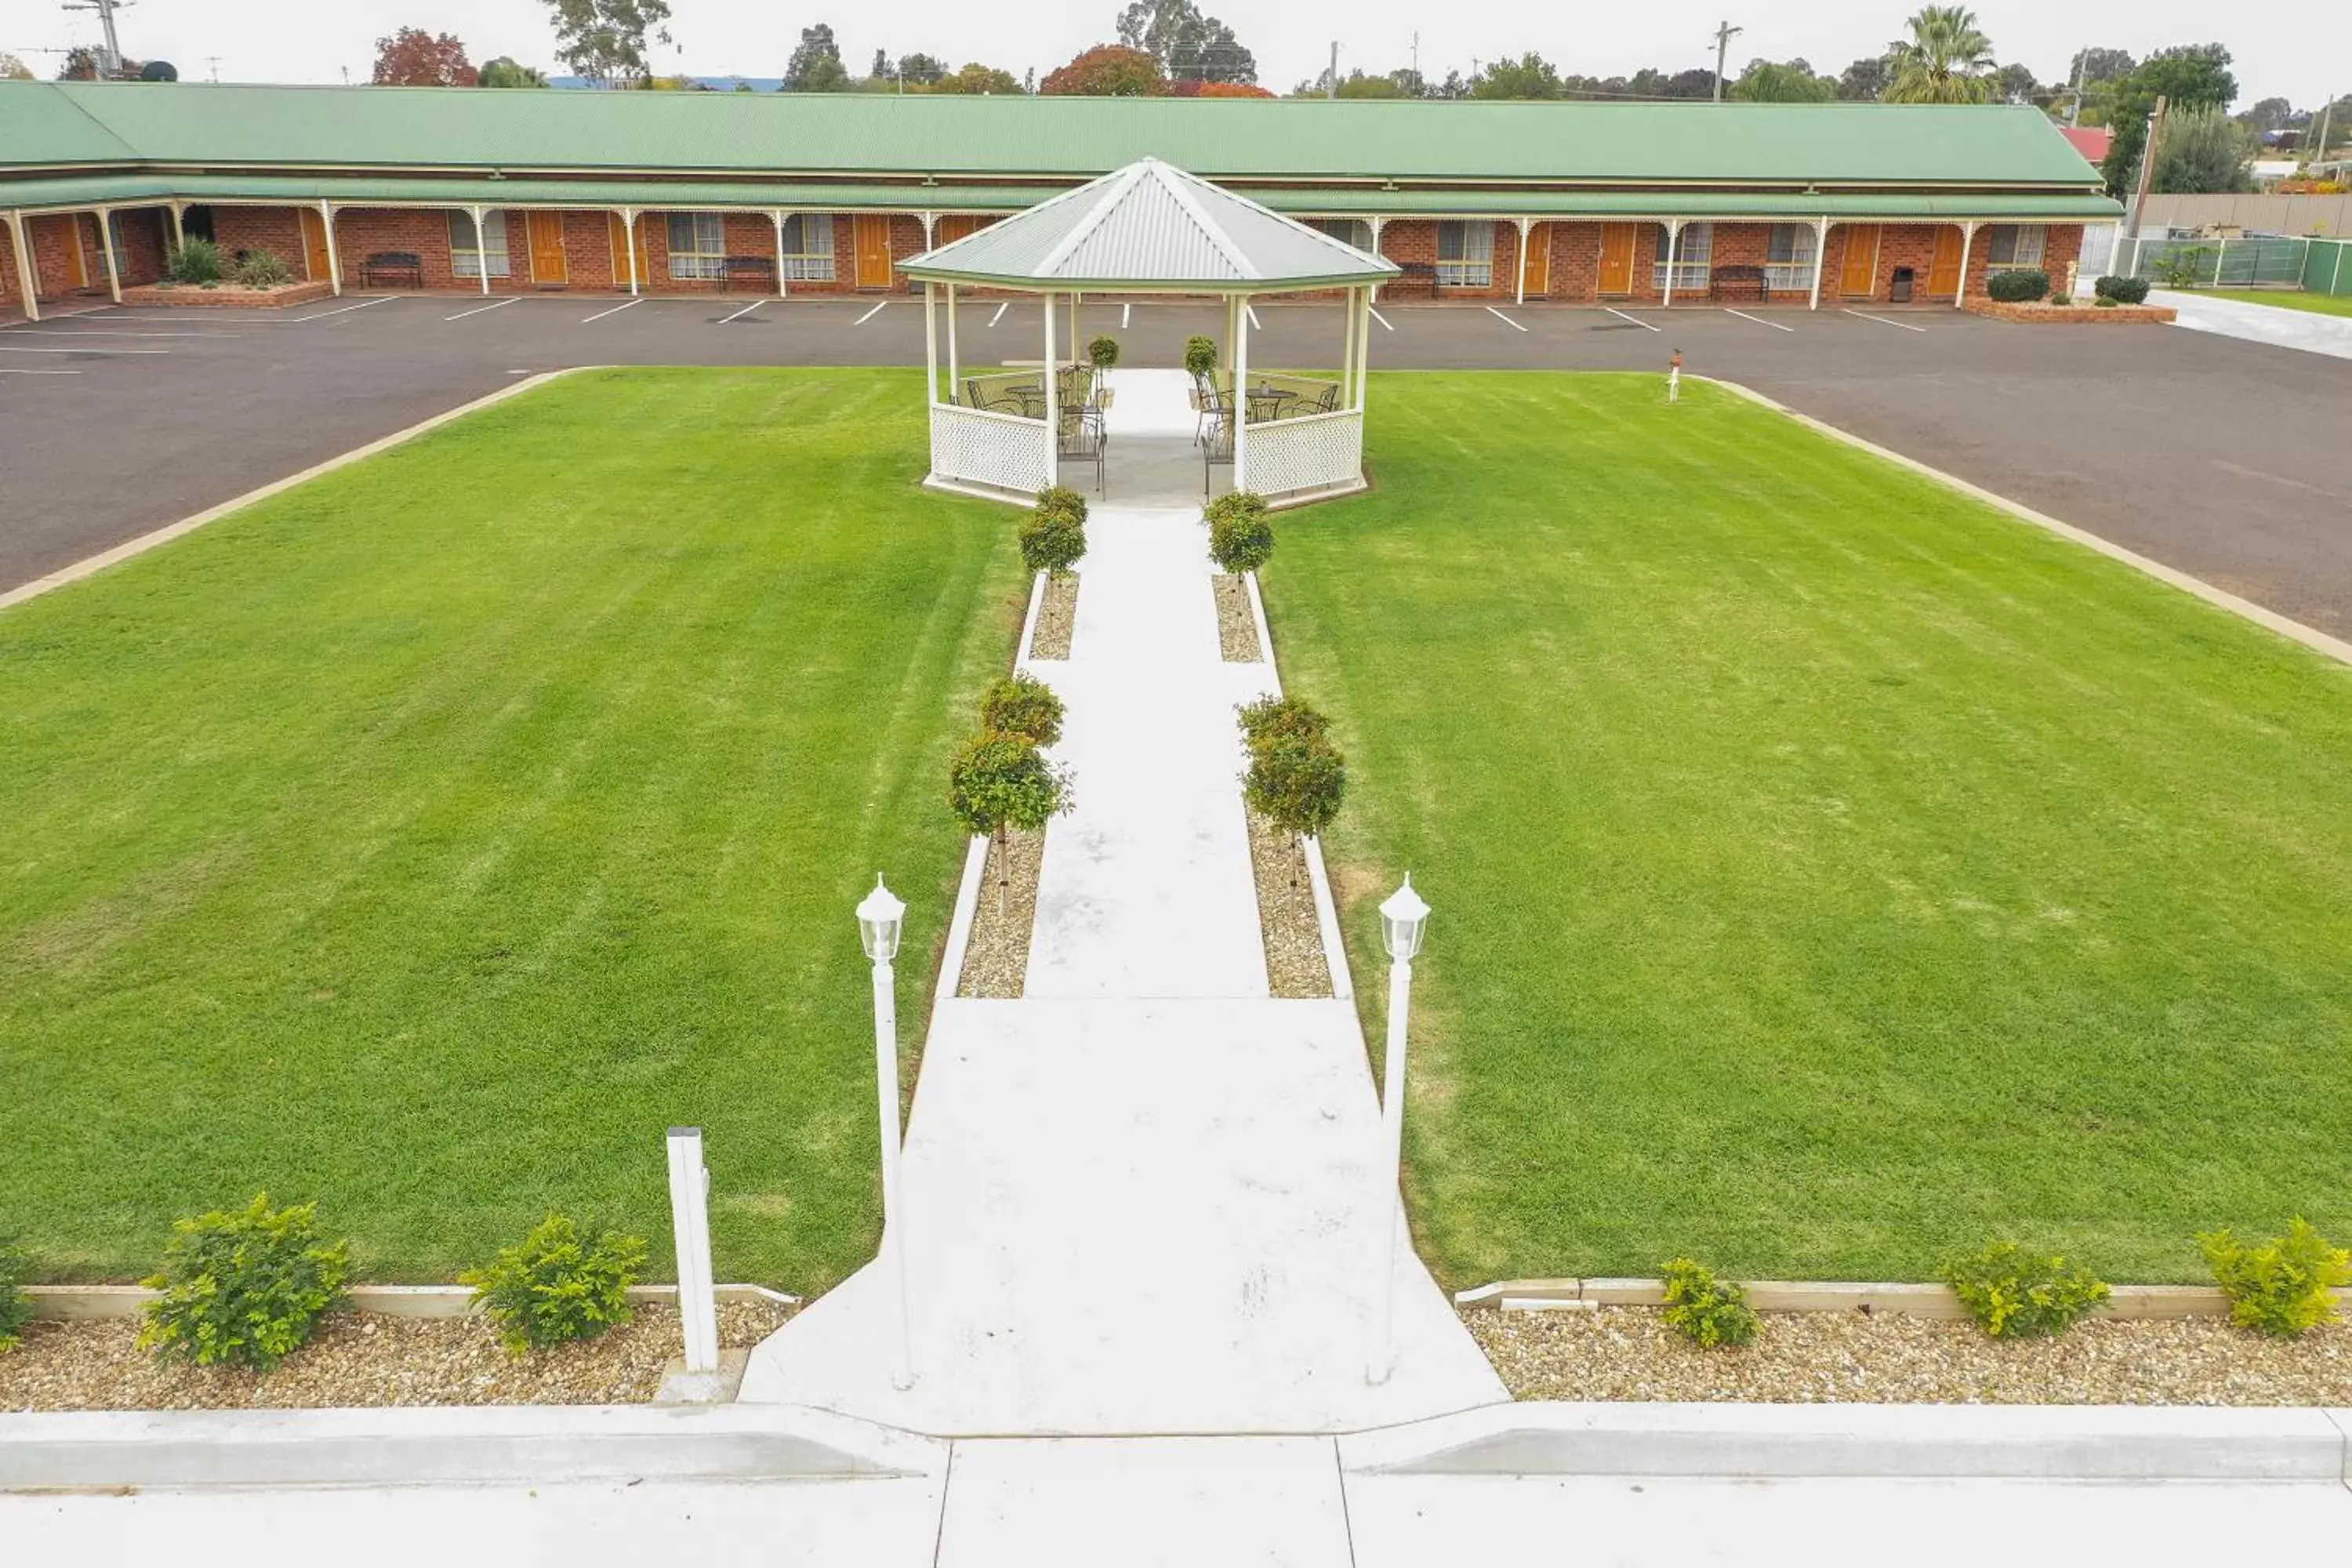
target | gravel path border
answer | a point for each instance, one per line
(1057, 618)
(1236, 625)
(362, 1359)
(1293, 932)
(1804, 1358)
(996, 961)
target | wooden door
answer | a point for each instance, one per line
(1944, 271)
(1617, 243)
(621, 251)
(1535, 261)
(314, 245)
(1858, 276)
(872, 239)
(954, 227)
(548, 262)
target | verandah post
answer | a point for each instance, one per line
(1821, 250)
(334, 259)
(106, 247)
(482, 248)
(1968, 242)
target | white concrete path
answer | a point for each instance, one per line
(1146, 1198)
(2274, 324)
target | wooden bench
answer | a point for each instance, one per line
(760, 271)
(392, 263)
(1420, 278)
(1738, 283)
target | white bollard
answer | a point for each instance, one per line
(689, 1214)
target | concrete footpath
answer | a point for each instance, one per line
(2274, 324)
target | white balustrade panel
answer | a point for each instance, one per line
(1318, 452)
(978, 446)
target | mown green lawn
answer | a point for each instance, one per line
(1830, 871)
(2318, 304)
(430, 839)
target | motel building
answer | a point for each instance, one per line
(477, 190)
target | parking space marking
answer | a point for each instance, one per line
(1504, 320)
(12, 370)
(741, 314)
(623, 305)
(1757, 320)
(1623, 317)
(871, 314)
(1884, 321)
(347, 309)
(1253, 314)
(1384, 320)
(6, 349)
(1000, 313)
(1126, 315)
(502, 304)
(108, 332)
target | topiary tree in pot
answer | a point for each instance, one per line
(1000, 782)
(1297, 778)
(1241, 534)
(1200, 356)
(1053, 537)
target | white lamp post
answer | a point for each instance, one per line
(879, 918)
(1402, 917)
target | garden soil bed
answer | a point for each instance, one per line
(1057, 618)
(1237, 624)
(362, 1359)
(2071, 315)
(1294, 964)
(996, 962)
(230, 295)
(1803, 1358)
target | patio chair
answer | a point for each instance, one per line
(1329, 402)
(1084, 439)
(1006, 402)
(1212, 406)
(1217, 446)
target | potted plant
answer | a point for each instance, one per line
(1104, 354)
(1200, 361)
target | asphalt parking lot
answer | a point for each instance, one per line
(2218, 457)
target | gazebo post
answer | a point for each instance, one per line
(955, 366)
(1074, 326)
(1348, 354)
(1053, 403)
(1241, 394)
(931, 344)
(1363, 349)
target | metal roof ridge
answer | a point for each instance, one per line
(1116, 185)
(1242, 265)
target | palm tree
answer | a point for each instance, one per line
(1944, 60)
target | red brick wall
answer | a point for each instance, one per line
(146, 233)
(8, 290)
(277, 230)
(54, 240)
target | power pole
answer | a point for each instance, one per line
(1724, 34)
(2324, 115)
(2147, 173)
(111, 62)
(1333, 92)
(2074, 109)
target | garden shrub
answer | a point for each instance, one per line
(1200, 355)
(16, 1307)
(558, 1283)
(194, 261)
(1709, 1311)
(2123, 290)
(2282, 1285)
(1241, 534)
(1053, 538)
(1102, 353)
(1061, 498)
(262, 269)
(2183, 268)
(2013, 1294)
(2016, 287)
(245, 1287)
(1024, 706)
(1268, 716)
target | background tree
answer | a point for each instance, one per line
(80, 65)
(415, 58)
(1108, 71)
(2203, 150)
(2194, 76)
(1529, 77)
(1232, 90)
(1770, 81)
(2015, 84)
(506, 71)
(2269, 114)
(13, 69)
(1865, 80)
(816, 66)
(921, 70)
(976, 79)
(606, 41)
(1944, 60)
(1189, 45)
(881, 68)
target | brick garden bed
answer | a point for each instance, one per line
(2038, 310)
(224, 294)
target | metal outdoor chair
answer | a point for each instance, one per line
(1217, 446)
(1211, 406)
(1084, 439)
(1329, 402)
(1006, 402)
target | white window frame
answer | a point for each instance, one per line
(1693, 256)
(1473, 264)
(465, 261)
(1789, 256)
(807, 248)
(2026, 244)
(1354, 231)
(706, 237)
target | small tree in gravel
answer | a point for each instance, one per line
(558, 1283)
(1054, 535)
(1297, 780)
(243, 1286)
(16, 1307)
(1710, 1313)
(1024, 706)
(2282, 1285)
(1241, 534)
(1000, 782)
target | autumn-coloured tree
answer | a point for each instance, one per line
(13, 69)
(415, 58)
(1232, 90)
(1108, 71)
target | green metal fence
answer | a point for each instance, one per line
(2317, 266)
(2328, 267)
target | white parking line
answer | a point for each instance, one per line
(106, 332)
(1882, 321)
(871, 314)
(477, 310)
(6, 349)
(1623, 317)
(742, 313)
(1504, 320)
(1000, 313)
(1126, 315)
(1252, 316)
(12, 370)
(1384, 320)
(347, 309)
(615, 310)
(1757, 320)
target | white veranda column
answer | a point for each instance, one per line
(1673, 240)
(179, 223)
(1525, 225)
(1820, 249)
(482, 246)
(1053, 403)
(1241, 395)
(629, 243)
(1377, 224)
(776, 216)
(334, 256)
(106, 247)
(930, 343)
(28, 281)
(1968, 241)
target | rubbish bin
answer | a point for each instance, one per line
(1902, 292)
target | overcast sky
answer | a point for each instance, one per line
(2279, 48)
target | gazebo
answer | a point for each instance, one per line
(1150, 228)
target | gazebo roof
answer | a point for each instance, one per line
(1151, 226)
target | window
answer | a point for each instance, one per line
(1788, 257)
(1466, 255)
(2015, 245)
(1692, 250)
(808, 247)
(697, 245)
(468, 262)
(1352, 231)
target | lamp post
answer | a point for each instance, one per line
(1401, 919)
(879, 918)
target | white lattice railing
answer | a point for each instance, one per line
(1318, 452)
(978, 447)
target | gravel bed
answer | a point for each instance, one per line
(1237, 627)
(1805, 1358)
(1057, 618)
(362, 1359)
(996, 963)
(1285, 913)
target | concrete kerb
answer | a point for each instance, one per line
(1726, 1441)
(83, 1302)
(1913, 1301)
(1318, 877)
(91, 565)
(2294, 630)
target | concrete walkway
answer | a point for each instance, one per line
(2274, 324)
(1146, 1198)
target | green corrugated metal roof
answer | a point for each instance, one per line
(194, 123)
